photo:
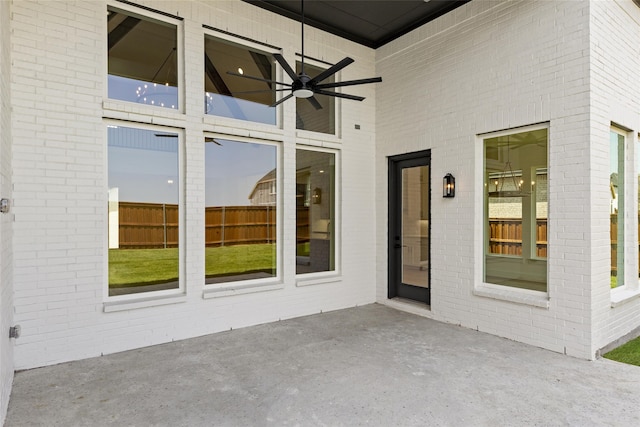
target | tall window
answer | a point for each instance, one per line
(240, 210)
(315, 211)
(143, 60)
(515, 210)
(616, 206)
(236, 97)
(638, 170)
(144, 211)
(320, 116)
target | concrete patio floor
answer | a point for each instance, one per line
(369, 365)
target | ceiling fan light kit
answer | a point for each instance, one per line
(305, 87)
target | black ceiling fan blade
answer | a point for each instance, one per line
(349, 83)
(281, 100)
(259, 91)
(339, 95)
(331, 70)
(285, 66)
(257, 78)
(314, 102)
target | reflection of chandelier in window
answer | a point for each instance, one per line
(159, 94)
(508, 174)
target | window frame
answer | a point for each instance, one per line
(505, 291)
(320, 277)
(159, 294)
(151, 15)
(245, 42)
(221, 289)
(622, 212)
(337, 102)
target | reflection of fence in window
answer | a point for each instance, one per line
(155, 225)
(505, 237)
(238, 225)
(147, 225)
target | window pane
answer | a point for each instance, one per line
(515, 225)
(143, 60)
(143, 210)
(240, 210)
(307, 117)
(616, 187)
(315, 210)
(237, 97)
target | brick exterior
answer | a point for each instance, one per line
(6, 220)
(490, 66)
(486, 67)
(59, 144)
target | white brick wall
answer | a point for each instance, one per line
(6, 220)
(490, 66)
(615, 47)
(60, 182)
(486, 66)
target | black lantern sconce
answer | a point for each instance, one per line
(449, 186)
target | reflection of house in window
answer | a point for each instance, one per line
(264, 192)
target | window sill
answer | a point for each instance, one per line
(219, 291)
(243, 128)
(317, 280)
(518, 296)
(620, 296)
(316, 139)
(132, 304)
(130, 111)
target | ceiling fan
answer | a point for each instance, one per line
(304, 86)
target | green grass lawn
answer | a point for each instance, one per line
(627, 353)
(137, 267)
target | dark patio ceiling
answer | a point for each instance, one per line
(371, 23)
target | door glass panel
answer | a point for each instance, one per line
(415, 226)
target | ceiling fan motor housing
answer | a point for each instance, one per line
(301, 88)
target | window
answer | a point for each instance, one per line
(240, 210)
(315, 211)
(143, 60)
(143, 210)
(307, 116)
(616, 205)
(236, 97)
(515, 210)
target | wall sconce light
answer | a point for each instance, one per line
(316, 197)
(449, 186)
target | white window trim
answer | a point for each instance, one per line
(117, 104)
(336, 274)
(239, 287)
(490, 290)
(337, 107)
(278, 76)
(144, 298)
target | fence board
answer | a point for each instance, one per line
(154, 225)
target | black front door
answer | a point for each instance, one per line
(409, 226)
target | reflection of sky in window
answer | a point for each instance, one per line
(236, 108)
(232, 170)
(143, 166)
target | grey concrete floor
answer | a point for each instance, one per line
(369, 365)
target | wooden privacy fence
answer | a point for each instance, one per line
(155, 225)
(236, 225)
(147, 225)
(505, 237)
